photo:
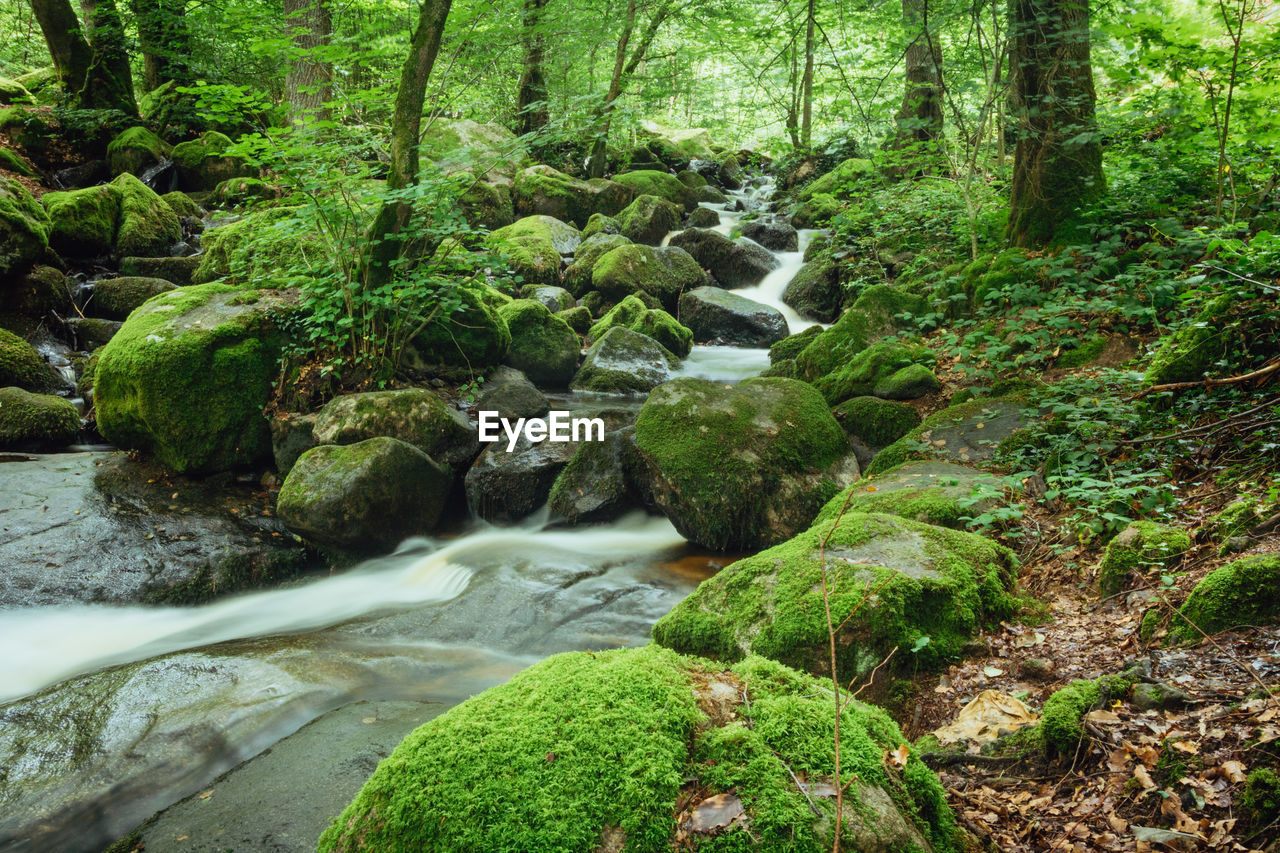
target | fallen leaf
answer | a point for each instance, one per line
(716, 812)
(1144, 778)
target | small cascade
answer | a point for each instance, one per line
(162, 177)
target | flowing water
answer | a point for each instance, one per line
(108, 714)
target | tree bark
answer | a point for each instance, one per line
(806, 118)
(1057, 164)
(94, 71)
(309, 81)
(164, 40)
(919, 119)
(386, 236)
(531, 94)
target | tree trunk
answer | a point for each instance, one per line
(919, 119)
(1057, 164)
(806, 119)
(531, 95)
(309, 82)
(164, 40)
(386, 232)
(94, 71)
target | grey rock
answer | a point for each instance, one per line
(715, 313)
(734, 263)
(509, 392)
(623, 362)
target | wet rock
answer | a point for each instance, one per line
(775, 234)
(506, 486)
(907, 383)
(594, 486)
(116, 298)
(509, 392)
(415, 416)
(624, 362)
(21, 366)
(815, 292)
(704, 217)
(87, 174)
(543, 346)
(712, 312)
(364, 497)
(734, 263)
(292, 435)
(663, 273)
(177, 270)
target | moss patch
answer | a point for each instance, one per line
(36, 418)
(877, 422)
(22, 366)
(24, 228)
(1245, 592)
(148, 227)
(542, 345)
(1140, 548)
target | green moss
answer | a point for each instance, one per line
(928, 581)
(486, 205)
(791, 346)
(542, 190)
(877, 312)
(1260, 803)
(264, 247)
(648, 219)
(148, 227)
(134, 150)
(36, 418)
(235, 192)
(1245, 592)
(1235, 518)
(815, 212)
(181, 204)
(691, 179)
(626, 312)
(24, 228)
(869, 369)
(1151, 622)
(839, 180)
(877, 422)
(83, 221)
(13, 92)
(633, 314)
(1083, 354)
(1142, 547)
(598, 223)
(655, 183)
(908, 382)
(1060, 724)
(1192, 352)
(13, 162)
(584, 744)
(473, 336)
(116, 298)
(533, 246)
(542, 345)
(204, 163)
(663, 273)
(22, 366)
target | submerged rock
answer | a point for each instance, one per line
(364, 497)
(601, 750)
(715, 313)
(745, 466)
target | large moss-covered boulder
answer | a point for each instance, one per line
(29, 298)
(83, 222)
(187, 376)
(624, 362)
(265, 246)
(877, 422)
(734, 263)
(1246, 592)
(136, 150)
(204, 163)
(509, 392)
(648, 219)
(660, 184)
(541, 190)
(24, 228)
(577, 276)
(1142, 548)
(463, 145)
(486, 205)
(147, 225)
(663, 273)
(632, 749)
(940, 493)
(815, 292)
(878, 311)
(22, 366)
(654, 322)
(35, 419)
(542, 345)
(180, 271)
(116, 298)
(892, 584)
(869, 371)
(533, 246)
(473, 335)
(840, 180)
(413, 415)
(816, 211)
(182, 204)
(713, 313)
(743, 466)
(365, 497)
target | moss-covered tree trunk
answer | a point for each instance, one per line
(531, 93)
(806, 84)
(309, 82)
(94, 71)
(386, 233)
(918, 124)
(164, 40)
(1057, 165)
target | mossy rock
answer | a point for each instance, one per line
(598, 223)
(878, 311)
(36, 419)
(909, 382)
(473, 336)
(1194, 351)
(578, 318)
(148, 226)
(16, 163)
(648, 219)
(734, 263)
(533, 247)
(1245, 592)
(541, 190)
(461, 145)
(744, 466)
(542, 345)
(187, 376)
(941, 493)
(703, 217)
(1140, 548)
(180, 271)
(24, 228)
(815, 291)
(577, 276)
(204, 163)
(22, 366)
(600, 751)
(43, 290)
(663, 273)
(260, 249)
(116, 298)
(84, 222)
(595, 487)
(415, 416)
(656, 323)
(365, 497)
(692, 180)
(870, 371)
(1081, 355)
(624, 362)
(660, 184)
(486, 205)
(12, 92)
(837, 183)
(1060, 720)
(792, 345)
(136, 150)
(928, 582)
(877, 422)
(236, 192)
(707, 195)
(716, 314)
(182, 204)
(964, 433)
(817, 211)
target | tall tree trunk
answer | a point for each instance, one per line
(386, 232)
(1057, 165)
(164, 40)
(531, 95)
(90, 69)
(309, 82)
(806, 118)
(919, 119)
